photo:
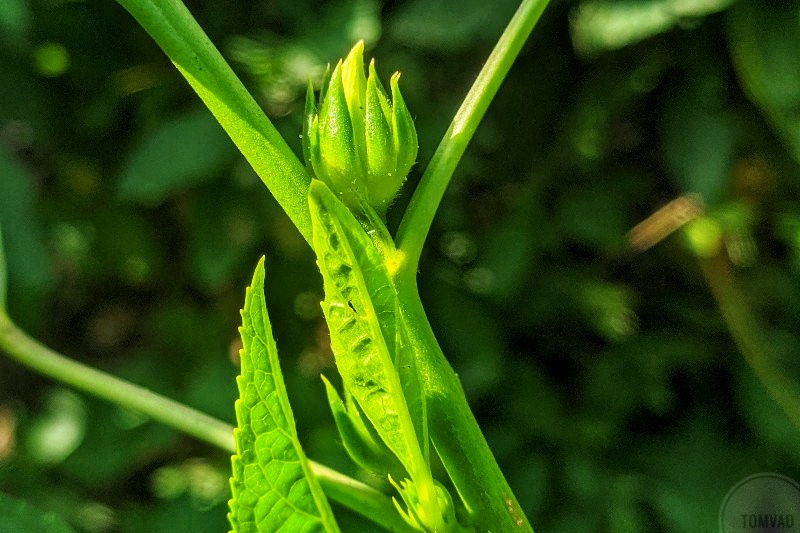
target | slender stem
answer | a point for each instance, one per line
(742, 327)
(419, 216)
(361, 498)
(35, 355)
(349, 492)
(454, 431)
(171, 25)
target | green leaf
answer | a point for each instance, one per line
(698, 145)
(21, 517)
(273, 485)
(360, 308)
(359, 438)
(26, 266)
(411, 381)
(764, 39)
(179, 154)
(362, 311)
(448, 25)
(599, 25)
(15, 22)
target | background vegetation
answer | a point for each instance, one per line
(609, 380)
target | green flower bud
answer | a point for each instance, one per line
(357, 141)
(440, 518)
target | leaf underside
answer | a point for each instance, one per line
(273, 486)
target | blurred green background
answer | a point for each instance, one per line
(605, 376)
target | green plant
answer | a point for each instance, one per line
(400, 392)
(617, 392)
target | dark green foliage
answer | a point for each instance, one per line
(20, 517)
(605, 380)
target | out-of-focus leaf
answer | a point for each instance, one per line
(449, 24)
(698, 146)
(688, 483)
(178, 154)
(593, 217)
(361, 310)
(511, 250)
(223, 233)
(282, 66)
(764, 415)
(107, 427)
(184, 513)
(15, 22)
(58, 430)
(608, 309)
(26, 255)
(764, 40)
(470, 335)
(126, 245)
(21, 517)
(599, 25)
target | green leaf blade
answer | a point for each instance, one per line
(360, 303)
(360, 441)
(273, 486)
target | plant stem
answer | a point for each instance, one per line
(361, 498)
(35, 355)
(742, 327)
(418, 218)
(349, 492)
(171, 25)
(455, 432)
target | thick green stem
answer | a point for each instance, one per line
(418, 218)
(455, 432)
(171, 25)
(453, 429)
(348, 492)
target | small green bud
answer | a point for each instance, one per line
(440, 518)
(357, 141)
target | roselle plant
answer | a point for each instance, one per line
(401, 404)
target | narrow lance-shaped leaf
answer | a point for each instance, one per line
(359, 307)
(361, 310)
(273, 486)
(308, 120)
(360, 440)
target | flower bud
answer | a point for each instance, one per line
(357, 141)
